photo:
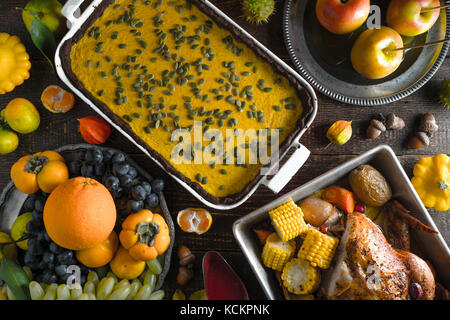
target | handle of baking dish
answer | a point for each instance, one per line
(289, 169)
(70, 10)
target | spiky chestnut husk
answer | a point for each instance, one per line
(258, 11)
(444, 93)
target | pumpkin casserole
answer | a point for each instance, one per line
(163, 69)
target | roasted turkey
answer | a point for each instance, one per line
(368, 267)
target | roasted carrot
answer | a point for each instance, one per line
(262, 235)
(340, 197)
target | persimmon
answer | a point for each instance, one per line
(126, 267)
(57, 100)
(101, 254)
(145, 235)
(42, 170)
(79, 214)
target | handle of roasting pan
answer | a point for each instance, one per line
(289, 169)
(71, 10)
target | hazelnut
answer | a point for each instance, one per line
(428, 124)
(184, 275)
(419, 140)
(185, 256)
(394, 123)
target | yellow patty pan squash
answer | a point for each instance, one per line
(14, 63)
(432, 181)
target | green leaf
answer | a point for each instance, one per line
(15, 277)
(43, 39)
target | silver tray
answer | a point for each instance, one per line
(12, 199)
(433, 246)
(277, 177)
(340, 81)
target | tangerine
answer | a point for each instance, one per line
(57, 100)
(101, 254)
(79, 214)
(194, 220)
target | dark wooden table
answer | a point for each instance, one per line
(57, 130)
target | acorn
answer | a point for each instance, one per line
(375, 128)
(419, 140)
(184, 275)
(185, 256)
(394, 123)
(428, 124)
(258, 11)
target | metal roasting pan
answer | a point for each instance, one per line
(432, 246)
(279, 177)
(12, 199)
(341, 82)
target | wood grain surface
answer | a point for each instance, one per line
(61, 129)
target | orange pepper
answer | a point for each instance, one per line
(145, 235)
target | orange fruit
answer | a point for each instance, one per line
(124, 266)
(79, 214)
(101, 254)
(57, 100)
(194, 220)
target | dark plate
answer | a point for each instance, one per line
(12, 199)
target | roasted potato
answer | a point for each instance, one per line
(370, 186)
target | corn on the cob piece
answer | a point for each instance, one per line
(276, 252)
(287, 219)
(300, 277)
(318, 248)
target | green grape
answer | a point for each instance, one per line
(134, 288)
(63, 292)
(50, 294)
(120, 293)
(154, 266)
(122, 283)
(51, 286)
(83, 296)
(93, 277)
(10, 294)
(157, 295)
(112, 275)
(36, 291)
(27, 270)
(105, 288)
(75, 293)
(150, 279)
(144, 292)
(92, 296)
(89, 287)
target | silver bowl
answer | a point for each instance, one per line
(12, 200)
(309, 46)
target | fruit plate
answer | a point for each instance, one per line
(433, 247)
(323, 59)
(12, 200)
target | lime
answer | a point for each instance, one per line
(10, 250)
(21, 115)
(19, 228)
(8, 141)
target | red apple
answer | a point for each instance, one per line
(406, 18)
(342, 16)
(372, 55)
